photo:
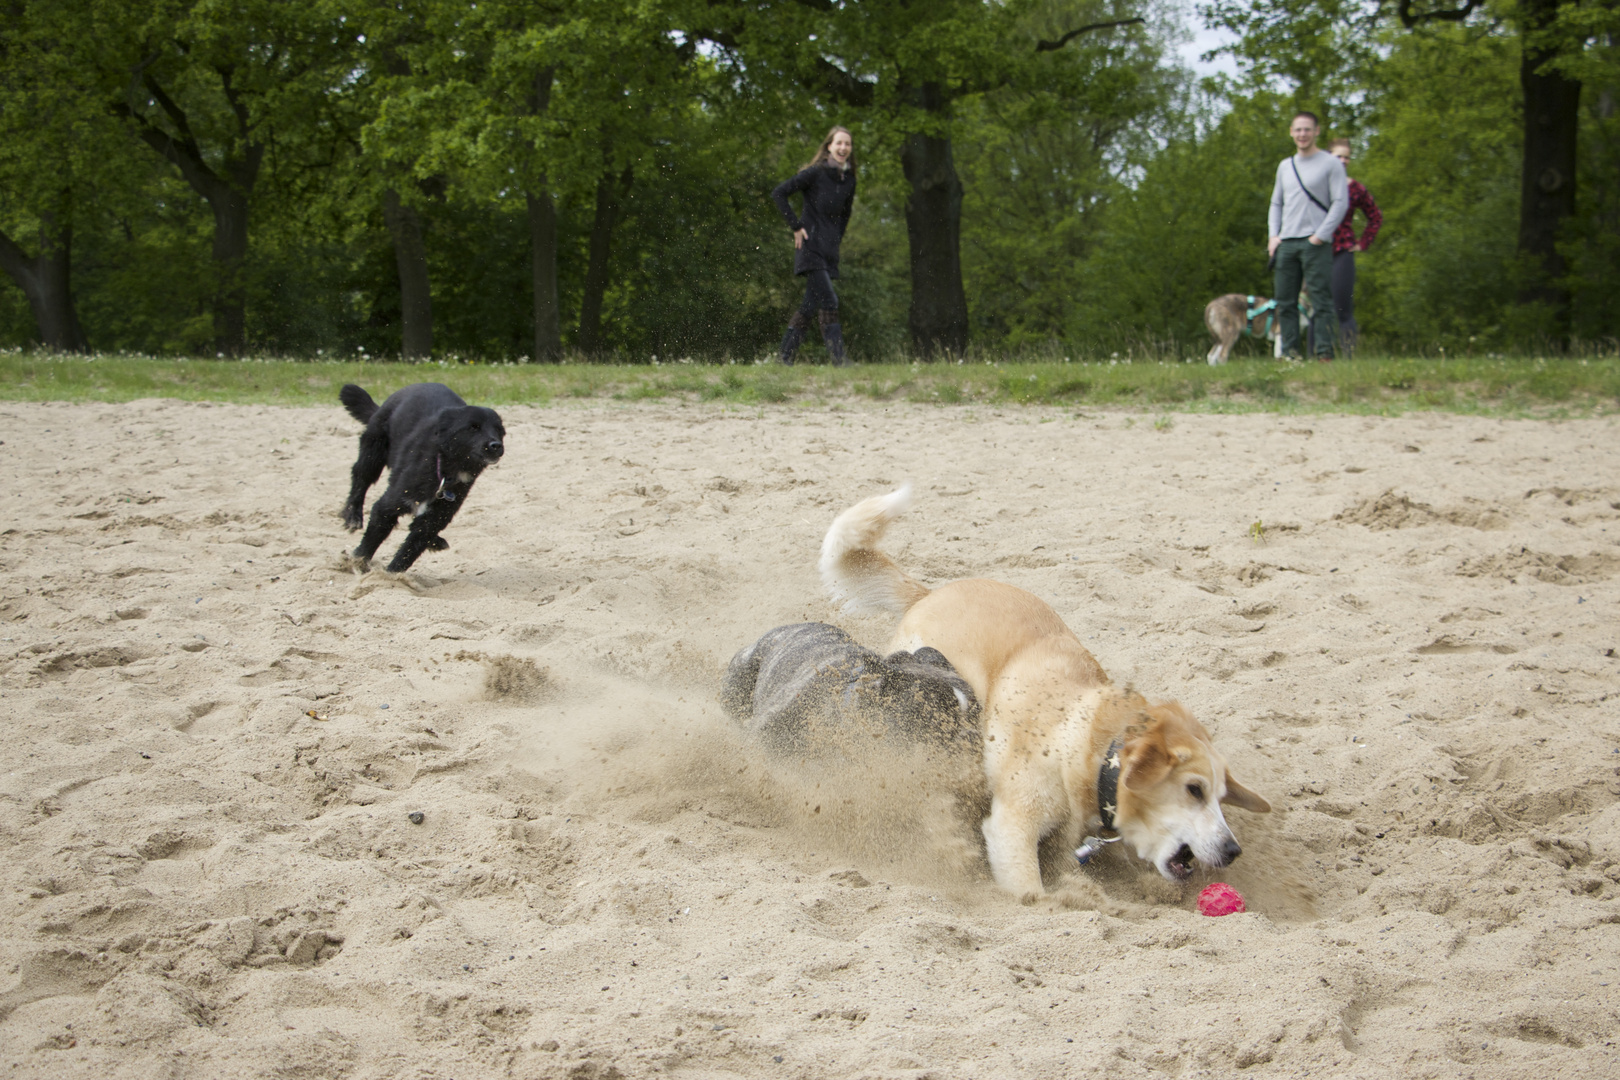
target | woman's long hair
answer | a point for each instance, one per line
(821, 153)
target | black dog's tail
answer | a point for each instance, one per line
(358, 402)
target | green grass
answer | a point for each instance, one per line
(1524, 386)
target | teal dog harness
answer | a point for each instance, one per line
(1268, 309)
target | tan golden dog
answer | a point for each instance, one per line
(1057, 733)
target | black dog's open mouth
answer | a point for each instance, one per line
(1180, 864)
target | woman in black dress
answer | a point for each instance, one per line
(828, 184)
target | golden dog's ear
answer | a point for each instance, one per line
(1147, 760)
(1243, 798)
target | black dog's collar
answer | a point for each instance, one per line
(1107, 804)
(446, 493)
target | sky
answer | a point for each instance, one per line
(1203, 41)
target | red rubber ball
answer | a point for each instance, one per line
(1220, 899)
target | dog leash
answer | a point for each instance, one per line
(1107, 797)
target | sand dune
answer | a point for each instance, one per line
(218, 741)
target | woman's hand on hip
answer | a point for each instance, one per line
(799, 237)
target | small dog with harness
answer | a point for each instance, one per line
(1234, 315)
(434, 445)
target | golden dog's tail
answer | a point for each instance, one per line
(855, 571)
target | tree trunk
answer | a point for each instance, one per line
(227, 191)
(230, 254)
(939, 321)
(415, 295)
(543, 246)
(1547, 181)
(46, 280)
(547, 316)
(609, 190)
(228, 199)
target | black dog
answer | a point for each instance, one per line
(806, 682)
(434, 445)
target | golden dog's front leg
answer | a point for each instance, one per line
(1012, 840)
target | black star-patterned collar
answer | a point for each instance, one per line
(1107, 804)
(1108, 785)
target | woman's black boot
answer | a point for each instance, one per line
(832, 332)
(793, 338)
(790, 344)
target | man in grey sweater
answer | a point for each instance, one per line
(1307, 203)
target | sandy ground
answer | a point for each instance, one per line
(217, 743)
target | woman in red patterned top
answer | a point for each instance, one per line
(1345, 246)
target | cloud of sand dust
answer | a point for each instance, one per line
(619, 747)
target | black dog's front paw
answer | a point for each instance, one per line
(352, 519)
(438, 543)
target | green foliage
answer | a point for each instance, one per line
(1442, 273)
(1321, 50)
(1042, 158)
(1106, 200)
(1593, 247)
(1192, 229)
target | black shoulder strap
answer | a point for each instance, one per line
(1320, 204)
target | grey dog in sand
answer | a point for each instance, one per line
(811, 684)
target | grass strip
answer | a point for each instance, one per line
(1503, 386)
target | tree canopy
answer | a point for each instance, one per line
(503, 179)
